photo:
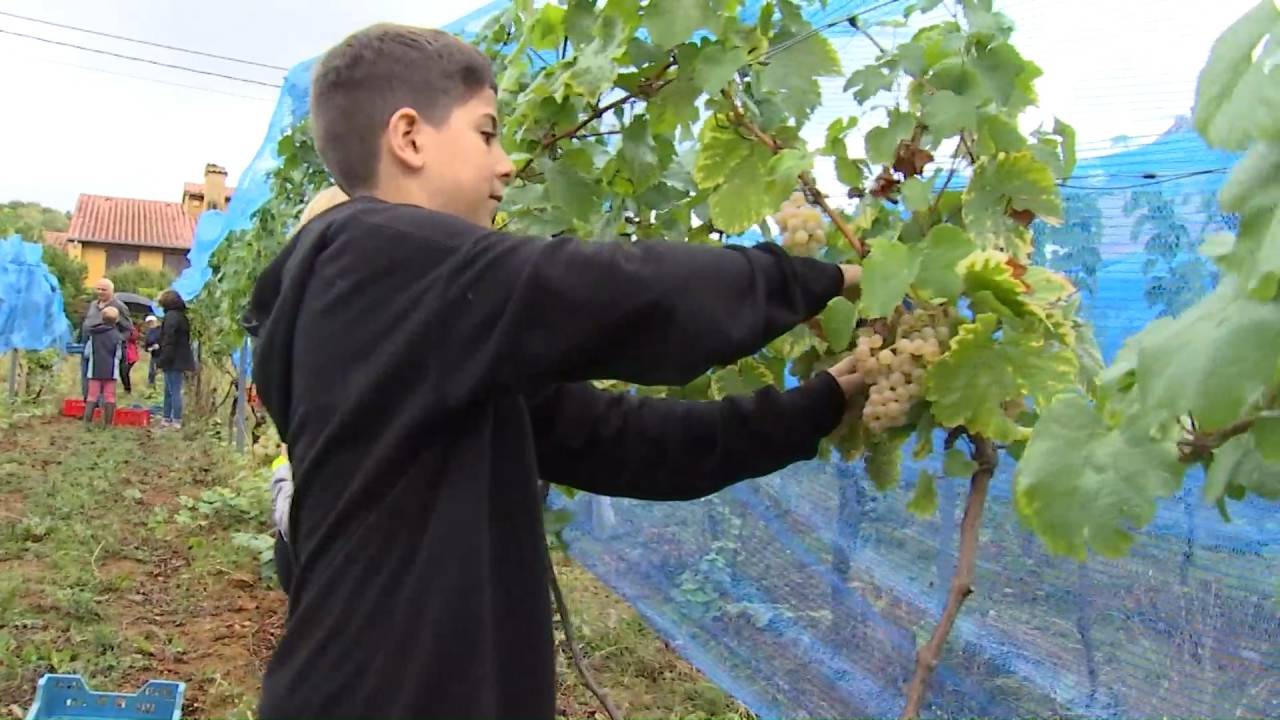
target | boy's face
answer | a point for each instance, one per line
(460, 167)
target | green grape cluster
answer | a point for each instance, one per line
(894, 371)
(803, 232)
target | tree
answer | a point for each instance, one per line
(30, 220)
(70, 273)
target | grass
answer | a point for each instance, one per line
(123, 557)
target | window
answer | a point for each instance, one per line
(175, 263)
(121, 256)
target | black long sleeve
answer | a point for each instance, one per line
(659, 449)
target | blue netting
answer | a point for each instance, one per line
(805, 593)
(31, 311)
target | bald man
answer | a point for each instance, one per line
(106, 297)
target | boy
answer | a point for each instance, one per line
(103, 350)
(419, 586)
(152, 342)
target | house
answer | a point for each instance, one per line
(107, 232)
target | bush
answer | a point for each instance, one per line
(70, 273)
(144, 281)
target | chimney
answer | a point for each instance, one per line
(215, 187)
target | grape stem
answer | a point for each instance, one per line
(927, 657)
(1200, 445)
(806, 177)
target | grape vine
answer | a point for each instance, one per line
(688, 120)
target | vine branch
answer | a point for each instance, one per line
(806, 177)
(927, 657)
(646, 88)
(1200, 445)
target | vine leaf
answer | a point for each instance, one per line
(1107, 489)
(990, 283)
(1237, 99)
(791, 77)
(924, 501)
(1237, 341)
(955, 463)
(747, 376)
(671, 22)
(1010, 181)
(947, 113)
(916, 195)
(887, 274)
(943, 249)
(970, 384)
(717, 65)
(882, 142)
(838, 321)
(1238, 465)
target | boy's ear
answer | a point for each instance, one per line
(404, 135)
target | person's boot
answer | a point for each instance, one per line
(88, 413)
(109, 414)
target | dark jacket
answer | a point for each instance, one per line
(152, 338)
(420, 585)
(104, 347)
(175, 342)
(93, 316)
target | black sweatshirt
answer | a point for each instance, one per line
(419, 430)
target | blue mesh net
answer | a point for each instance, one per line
(805, 593)
(31, 307)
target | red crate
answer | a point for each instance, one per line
(125, 416)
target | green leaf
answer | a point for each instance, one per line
(947, 113)
(850, 172)
(671, 22)
(997, 134)
(749, 194)
(1251, 185)
(1237, 98)
(720, 149)
(1266, 438)
(791, 77)
(572, 191)
(869, 81)
(917, 195)
(717, 65)
(785, 166)
(547, 29)
(638, 155)
(1217, 244)
(1082, 485)
(983, 20)
(1010, 181)
(796, 342)
(969, 385)
(1046, 285)
(882, 142)
(1002, 71)
(838, 323)
(924, 501)
(886, 276)
(1236, 342)
(1068, 135)
(1238, 464)
(747, 376)
(944, 247)
(1255, 256)
(958, 465)
(883, 461)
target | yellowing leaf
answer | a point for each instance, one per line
(1010, 181)
(991, 286)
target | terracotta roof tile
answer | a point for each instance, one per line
(55, 239)
(126, 221)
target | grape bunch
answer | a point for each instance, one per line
(803, 232)
(894, 372)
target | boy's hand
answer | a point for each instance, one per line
(852, 275)
(846, 374)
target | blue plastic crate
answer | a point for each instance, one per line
(60, 697)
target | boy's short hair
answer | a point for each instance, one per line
(363, 80)
(110, 314)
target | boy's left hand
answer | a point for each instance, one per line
(846, 373)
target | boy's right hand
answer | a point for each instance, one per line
(852, 275)
(846, 374)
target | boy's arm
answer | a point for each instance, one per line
(526, 312)
(658, 449)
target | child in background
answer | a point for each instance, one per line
(104, 351)
(281, 470)
(152, 342)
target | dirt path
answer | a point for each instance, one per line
(122, 559)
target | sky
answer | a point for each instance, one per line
(79, 122)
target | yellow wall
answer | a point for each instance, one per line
(95, 257)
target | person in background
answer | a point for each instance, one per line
(129, 358)
(152, 342)
(174, 357)
(103, 353)
(105, 297)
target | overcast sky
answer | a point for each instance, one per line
(77, 122)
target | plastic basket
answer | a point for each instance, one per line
(61, 697)
(130, 416)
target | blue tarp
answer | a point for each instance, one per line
(32, 316)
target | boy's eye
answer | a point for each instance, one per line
(489, 137)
